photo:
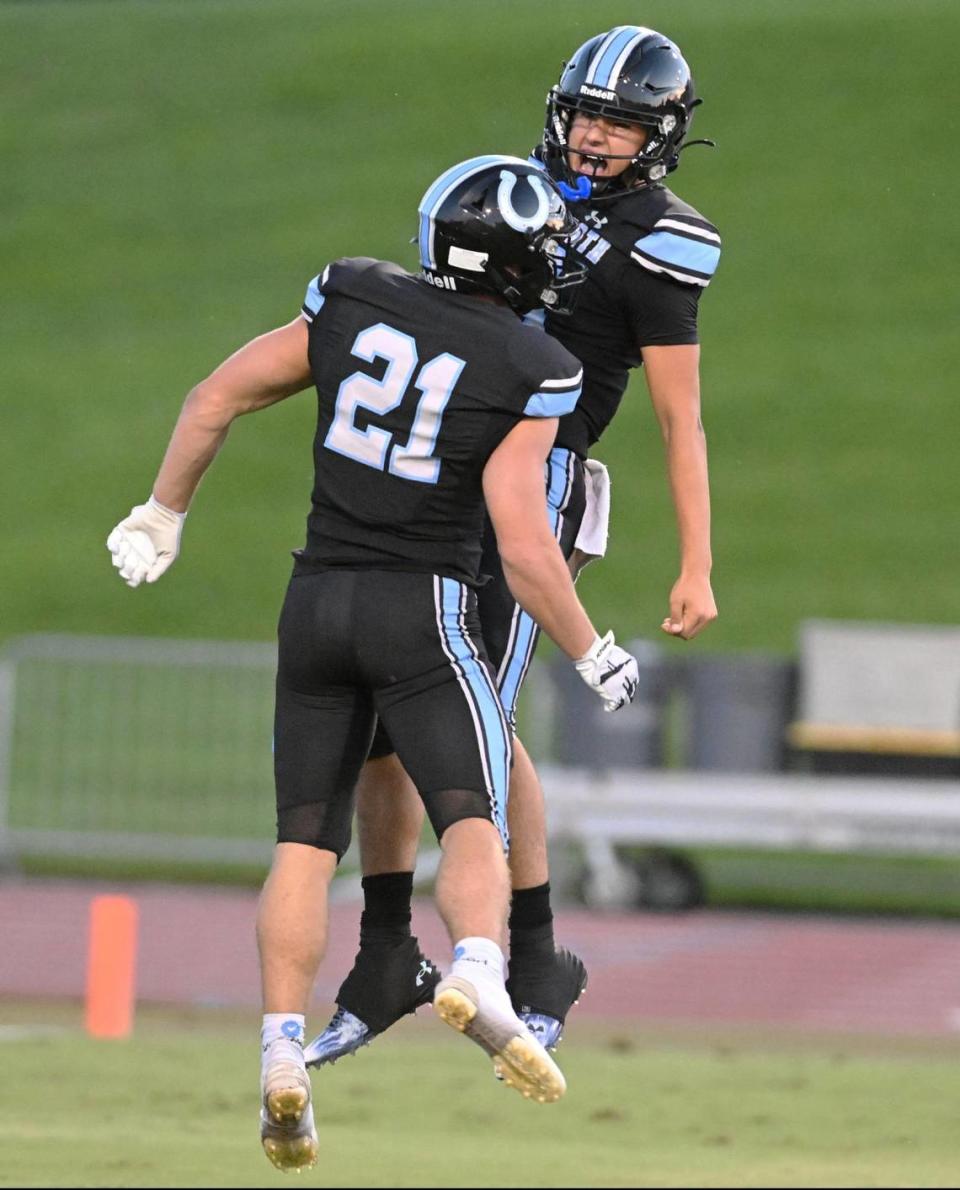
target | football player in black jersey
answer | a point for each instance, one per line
(434, 399)
(615, 126)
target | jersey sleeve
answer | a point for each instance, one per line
(539, 378)
(348, 275)
(683, 247)
(315, 297)
(661, 312)
(670, 268)
(556, 382)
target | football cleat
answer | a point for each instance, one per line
(389, 979)
(547, 1029)
(488, 1019)
(344, 1035)
(544, 990)
(287, 1130)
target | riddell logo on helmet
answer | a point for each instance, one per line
(440, 282)
(597, 92)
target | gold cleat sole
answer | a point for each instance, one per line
(517, 1059)
(455, 1007)
(287, 1105)
(291, 1154)
(288, 1140)
(530, 1070)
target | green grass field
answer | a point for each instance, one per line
(176, 172)
(177, 1106)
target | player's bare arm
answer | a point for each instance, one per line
(264, 371)
(145, 544)
(673, 379)
(534, 567)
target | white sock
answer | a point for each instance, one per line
(282, 1026)
(478, 958)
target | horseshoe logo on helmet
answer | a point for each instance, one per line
(510, 213)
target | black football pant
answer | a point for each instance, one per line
(510, 635)
(356, 646)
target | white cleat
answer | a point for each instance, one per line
(518, 1058)
(287, 1130)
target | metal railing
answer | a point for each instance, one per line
(137, 747)
(161, 750)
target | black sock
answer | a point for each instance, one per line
(531, 920)
(386, 906)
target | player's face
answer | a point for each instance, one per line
(590, 135)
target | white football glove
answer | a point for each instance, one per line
(610, 671)
(145, 544)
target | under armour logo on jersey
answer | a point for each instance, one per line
(425, 970)
(518, 222)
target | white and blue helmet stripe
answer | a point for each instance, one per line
(611, 55)
(435, 196)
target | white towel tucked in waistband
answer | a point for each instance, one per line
(594, 528)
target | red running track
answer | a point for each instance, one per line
(817, 974)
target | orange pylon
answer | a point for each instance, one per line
(111, 967)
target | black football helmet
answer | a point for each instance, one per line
(498, 225)
(631, 75)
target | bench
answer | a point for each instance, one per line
(879, 689)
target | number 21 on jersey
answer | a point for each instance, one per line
(412, 459)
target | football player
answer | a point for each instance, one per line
(434, 400)
(615, 126)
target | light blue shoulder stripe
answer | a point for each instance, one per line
(549, 404)
(314, 299)
(680, 252)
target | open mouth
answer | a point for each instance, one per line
(592, 164)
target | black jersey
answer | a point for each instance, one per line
(417, 386)
(649, 256)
